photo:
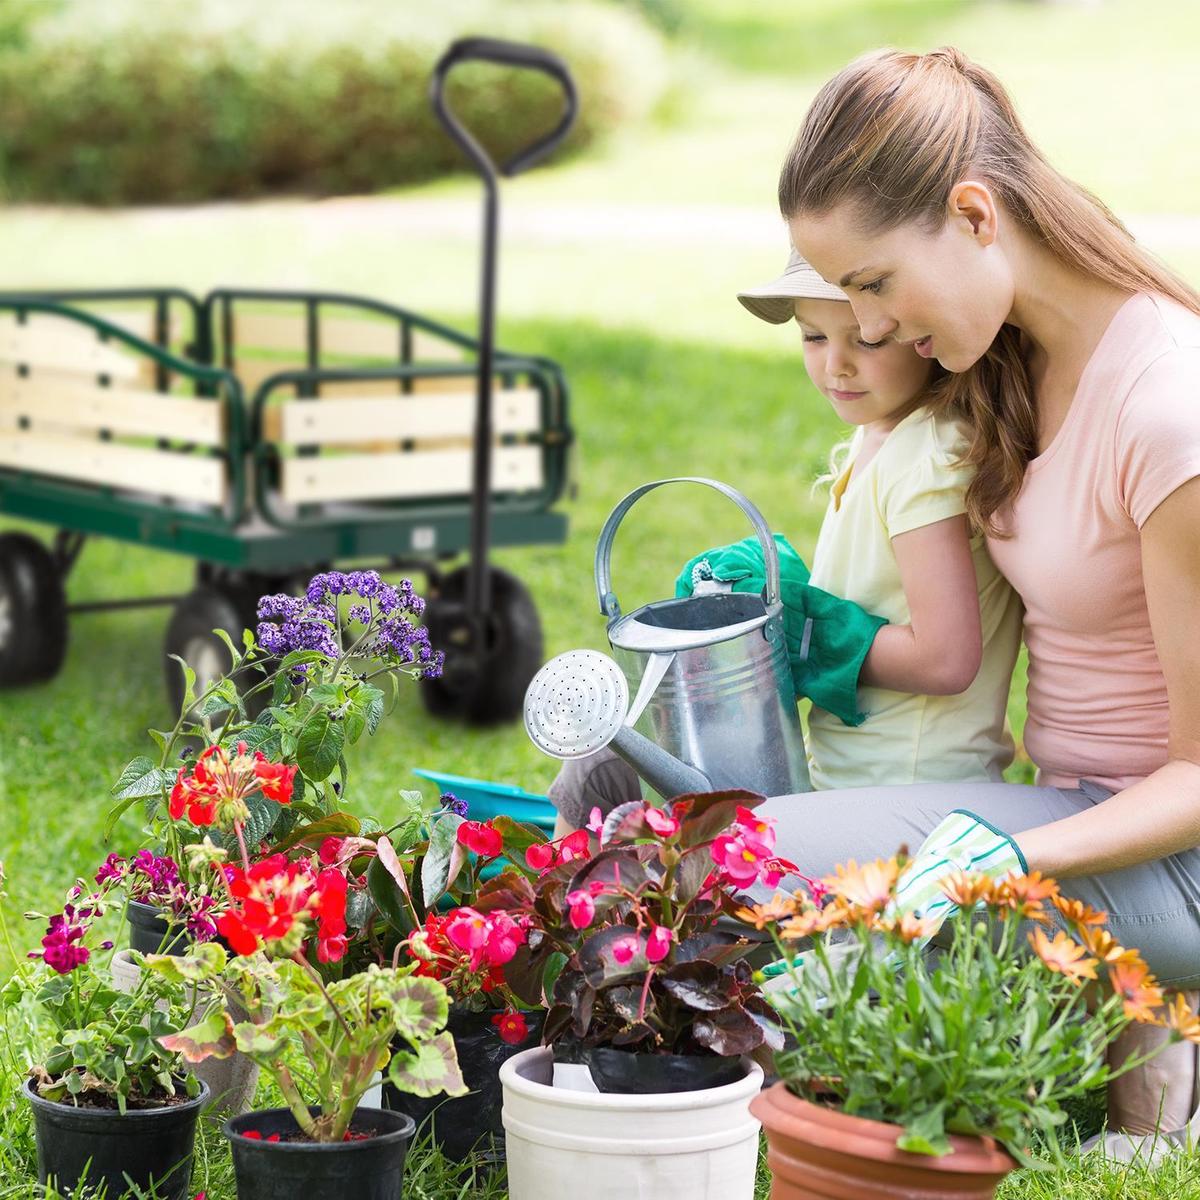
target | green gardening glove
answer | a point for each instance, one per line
(827, 637)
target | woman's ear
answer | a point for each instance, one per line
(972, 205)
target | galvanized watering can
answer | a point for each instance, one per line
(714, 705)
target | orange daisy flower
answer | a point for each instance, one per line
(911, 929)
(1064, 955)
(968, 890)
(761, 915)
(1079, 914)
(1106, 948)
(868, 887)
(1138, 990)
(1182, 1020)
(812, 920)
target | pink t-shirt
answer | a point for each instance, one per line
(1097, 700)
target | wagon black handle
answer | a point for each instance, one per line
(508, 54)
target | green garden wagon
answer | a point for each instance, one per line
(268, 435)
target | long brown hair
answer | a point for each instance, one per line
(893, 133)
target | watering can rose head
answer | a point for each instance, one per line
(618, 927)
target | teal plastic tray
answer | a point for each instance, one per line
(486, 800)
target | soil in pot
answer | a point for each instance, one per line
(465, 1125)
(817, 1152)
(99, 1146)
(271, 1163)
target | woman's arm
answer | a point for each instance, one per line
(939, 652)
(1161, 814)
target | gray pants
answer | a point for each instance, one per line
(1154, 907)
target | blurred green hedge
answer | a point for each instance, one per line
(153, 101)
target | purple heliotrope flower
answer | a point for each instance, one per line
(453, 804)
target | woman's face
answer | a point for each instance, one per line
(946, 293)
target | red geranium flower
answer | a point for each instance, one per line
(512, 1027)
(274, 779)
(215, 790)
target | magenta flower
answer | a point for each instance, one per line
(624, 948)
(738, 858)
(467, 929)
(504, 936)
(583, 908)
(62, 947)
(660, 822)
(595, 822)
(658, 943)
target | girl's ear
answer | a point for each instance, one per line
(972, 205)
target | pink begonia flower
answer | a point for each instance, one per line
(539, 856)
(467, 929)
(658, 944)
(573, 846)
(595, 821)
(330, 851)
(757, 831)
(504, 935)
(624, 948)
(739, 859)
(662, 823)
(583, 908)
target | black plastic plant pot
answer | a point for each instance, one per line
(463, 1126)
(148, 1147)
(149, 931)
(624, 1072)
(368, 1169)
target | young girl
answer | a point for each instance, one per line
(895, 539)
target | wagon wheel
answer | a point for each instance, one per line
(33, 611)
(190, 636)
(488, 686)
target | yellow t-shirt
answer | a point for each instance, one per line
(915, 479)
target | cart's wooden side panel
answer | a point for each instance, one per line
(354, 419)
(429, 473)
(54, 401)
(158, 472)
(60, 344)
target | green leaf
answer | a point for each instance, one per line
(388, 899)
(319, 745)
(210, 1038)
(443, 860)
(201, 963)
(257, 1040)
(141, 778)
(431, 1070)
(420, 1006)
(926, 1134)
(235, 655)
(369, 700)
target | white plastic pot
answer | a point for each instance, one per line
(599, 1146)
(231, 1081)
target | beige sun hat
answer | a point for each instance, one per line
(799, 281)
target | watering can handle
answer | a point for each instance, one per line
(610, 608)
(505, 54)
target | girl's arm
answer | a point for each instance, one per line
(939, 652)
(1161, 814)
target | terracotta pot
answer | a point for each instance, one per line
(817, 1152)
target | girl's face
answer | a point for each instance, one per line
(946, 294)
(866, 382)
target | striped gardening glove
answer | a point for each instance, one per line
(962, 842)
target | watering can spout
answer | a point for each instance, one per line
(578, 703)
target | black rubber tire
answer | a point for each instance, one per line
(493, 690)
(190, 636)
(33, 611)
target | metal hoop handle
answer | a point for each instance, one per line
(610, 608)
(507, 54)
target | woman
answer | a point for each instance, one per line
(1076, 356)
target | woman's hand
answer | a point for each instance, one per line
(938, 653)
(1161, 814)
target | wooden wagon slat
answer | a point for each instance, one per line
(63, 345)
(405, 475)
(348, 336)
(159, 472)
(120, 410)
(358, 419)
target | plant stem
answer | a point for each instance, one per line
(305, 965)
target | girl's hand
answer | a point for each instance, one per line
(938, 653)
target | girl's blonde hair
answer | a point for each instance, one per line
(892, 134)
